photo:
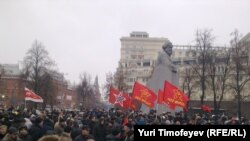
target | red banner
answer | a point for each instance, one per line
(161, 100)
(31, 96)
(144, 95)
(160, 97)
(206, 108)
(118, 98)
(174, 96)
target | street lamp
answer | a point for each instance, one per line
(2, 100)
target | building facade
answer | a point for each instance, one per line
(12, 86)
(186, 57)
(138, 55)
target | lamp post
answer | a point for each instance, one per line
(3, 99)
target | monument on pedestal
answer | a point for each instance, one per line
(164, 70)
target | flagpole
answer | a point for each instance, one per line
(24, 104)
(156, 109)
(108, 110)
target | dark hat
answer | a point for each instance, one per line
(116, 131)
(23, 127)
(38, 120)
(85, 127)
(67, 129)
(12, 130)
(130, 126)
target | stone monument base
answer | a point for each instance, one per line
(156, 82)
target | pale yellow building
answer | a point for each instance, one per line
(185, 56)
(138, 55)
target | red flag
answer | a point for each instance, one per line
(174, 96)
(160, 97)
(206, 108)
(118, 98)
(127, 101)
(185, 109)
(125, 121)
(144, 95)
(133, 105)
(161, 100)
(31, 96)
(171, 106)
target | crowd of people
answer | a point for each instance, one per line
(93, 124)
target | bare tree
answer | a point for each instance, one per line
(212, 74)
(97, 89)
(1, 81)
(1, 71)
(37, 62)
(189, 81)
(109, 82)
(240, 67)
(218, 73)
(119, 79)
(85, 90)
(204, 41)
(48, 90)
(224, 75)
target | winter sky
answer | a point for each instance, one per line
(84, 35)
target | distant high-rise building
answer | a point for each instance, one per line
(138, 55)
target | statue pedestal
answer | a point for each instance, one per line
(156, 82)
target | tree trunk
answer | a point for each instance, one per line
(239, 106)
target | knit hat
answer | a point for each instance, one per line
(23, 127)
(116, 131)
(38, 120)
(85, 127)
(12, 130)
(130, 126)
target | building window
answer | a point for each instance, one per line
(177, 62)
(189, 62)
(241, 78)
(193, 54)
(146, 64)
(130, 79)
(180, 53)
(173, 53)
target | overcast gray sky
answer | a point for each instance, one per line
(84, 35)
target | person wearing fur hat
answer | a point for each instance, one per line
(23, 134)
(36, 130)
(115, 135)
(99, 131)
(12, 135)
(3, 131)
(84, 135)
(129, 132)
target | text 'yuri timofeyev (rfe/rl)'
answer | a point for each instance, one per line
(188, 132)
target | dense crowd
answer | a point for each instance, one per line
(93, 124)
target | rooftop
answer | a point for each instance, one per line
(246, 38)
(139, 34)
(10, 69)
